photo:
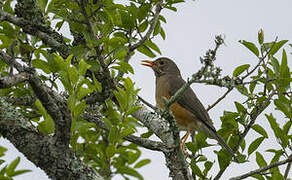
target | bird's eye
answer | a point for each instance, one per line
(161, 62)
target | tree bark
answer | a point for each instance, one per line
(43, 151)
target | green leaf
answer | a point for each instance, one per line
(153, 46)
(274, 125)
(133, 109)
(259, 129)
(287, 127)
(260, 160)
(133, 156)
(285, 78)
(124, 67)
(284, 105)
(47, 126)
(208, 165)
(252, 86)
(240, 108)
(146, 51)
(110, 151)
(122, 99)
(196, 170)
(42, 4)
(242, 90)
(276, 46)
(73, 75)
(79, 108)
(223, 158)
(143, 26)
(250, 46)
(83, 66)
(2, 151)
(157, 28)
(240, 69)
(162, 33)
(261, 36)
(126, 131)
(97, 84)
(147, 134)
(130, 171)
(40, 64)
(276, 174)
(82, 92)
(3, 171)
(142, 163)
(11, 167)
(275, 64)
(255, 144)
(258, 176)
(113, 135)
(18, 172)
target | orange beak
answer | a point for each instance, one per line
(147, 63)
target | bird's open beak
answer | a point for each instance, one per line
(147, 63)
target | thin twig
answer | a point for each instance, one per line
(158, 8)
(131, 48)
(287, 169)
(220, 99)
(289, 159)
(253, 117)
(147, 103)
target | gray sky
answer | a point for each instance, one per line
(189, 33)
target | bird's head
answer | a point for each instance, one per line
(162, 66)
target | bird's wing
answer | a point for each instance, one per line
(189, 101)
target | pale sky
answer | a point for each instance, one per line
(189, 33)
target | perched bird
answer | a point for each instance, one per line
(188, 111)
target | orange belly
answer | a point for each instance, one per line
(183, 117)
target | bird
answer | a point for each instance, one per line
(188, 110)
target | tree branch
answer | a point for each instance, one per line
(9, 81)
(58, 110)
(42, 150)
(143, 142)
(55, 106)
(287, 170)
(260, 170)
(219, 99)
(9, 61)
(133, 47)
(158, 9)
(175, 159)
(253, 117)
(47, 35)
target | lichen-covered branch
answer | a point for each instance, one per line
(55, 106)
(58, 110)
(9, 81)
(9, 61)
(175, 159)
(42, 150)
(48, 37)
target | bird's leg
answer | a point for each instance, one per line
(183, 141)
